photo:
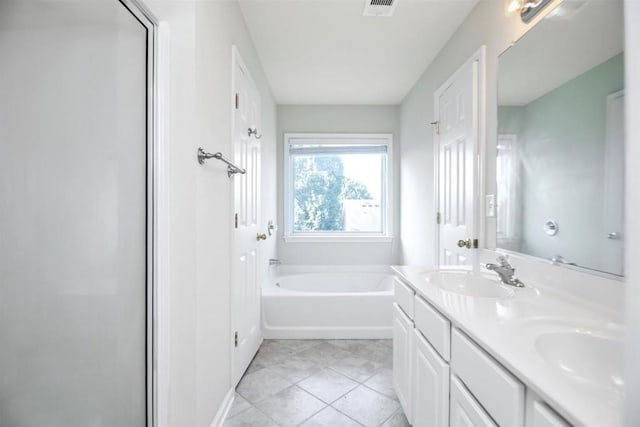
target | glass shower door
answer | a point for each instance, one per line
(73, 214)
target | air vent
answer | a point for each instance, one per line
(379, 7)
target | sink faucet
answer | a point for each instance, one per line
(274, 261)
(506, 272)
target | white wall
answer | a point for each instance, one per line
(487, 24)
(632, 96)
(339, 119)
(198, 113)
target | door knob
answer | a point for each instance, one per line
(464, 243)
(261, 236)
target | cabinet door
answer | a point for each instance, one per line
(465, 410)
(430, 385)
(543, 416)
(402, 336)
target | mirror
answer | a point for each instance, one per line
(560, 148)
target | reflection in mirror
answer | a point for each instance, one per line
(560, 148)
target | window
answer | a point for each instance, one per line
(336, 187)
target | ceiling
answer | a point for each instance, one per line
(573, 38)
(327, 52)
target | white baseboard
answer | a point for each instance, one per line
(224, 408)
(377, 332)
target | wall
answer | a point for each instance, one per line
(196, 104)
(561, 141)
(486, 24)
(632, 92)
(339, 119)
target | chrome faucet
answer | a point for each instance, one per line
(505, 271)
(274, 261)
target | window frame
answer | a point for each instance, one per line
(337, 139)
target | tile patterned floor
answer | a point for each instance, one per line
(318, 383)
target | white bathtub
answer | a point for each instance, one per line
(306, 302)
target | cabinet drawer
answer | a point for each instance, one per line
(434, 326)
(499, 392)
(465, 410)
(404, 296)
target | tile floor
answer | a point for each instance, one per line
(318, 383)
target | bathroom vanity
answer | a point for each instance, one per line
(469, 351)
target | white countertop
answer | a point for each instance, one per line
(507, 328)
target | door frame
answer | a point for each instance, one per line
(156, 197)
(479, 131)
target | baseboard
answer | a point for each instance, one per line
(327, 332)
(224, 408)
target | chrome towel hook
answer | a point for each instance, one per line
(254, 132)
(232, 168)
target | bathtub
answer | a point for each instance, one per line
(339, 302)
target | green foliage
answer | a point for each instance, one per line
(319, 188)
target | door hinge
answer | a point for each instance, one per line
(237, 101)
(236, 221)
(235, 340)
(437, 125)
(438, 218)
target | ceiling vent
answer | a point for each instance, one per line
(379, 7)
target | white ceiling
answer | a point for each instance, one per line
(326, 52)
(572, 39)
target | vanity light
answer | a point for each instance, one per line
(528, 8)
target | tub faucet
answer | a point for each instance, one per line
(274, 261)
(505, 271)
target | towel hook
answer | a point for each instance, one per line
(254, 131)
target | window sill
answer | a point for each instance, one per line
(338, 239)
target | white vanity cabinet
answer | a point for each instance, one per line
(443, 378)
(402, 350)
(465, 409)
(430, 388)
(541, 415)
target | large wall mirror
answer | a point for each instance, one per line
(560, 148)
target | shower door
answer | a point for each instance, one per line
(74, 214)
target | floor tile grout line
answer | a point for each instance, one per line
(393, 414)
(346, 415)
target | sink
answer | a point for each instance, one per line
(584, 355)
(469, 283)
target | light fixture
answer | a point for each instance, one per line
(528, 8)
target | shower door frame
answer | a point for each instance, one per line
(154, 184)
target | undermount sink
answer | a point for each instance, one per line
(469, 283)
(584, 355)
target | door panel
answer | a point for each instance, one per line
(245, 287)
(73, 214)
(457, 168)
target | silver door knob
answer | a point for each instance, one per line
(464, 243)
(261, 236)
(613, 236)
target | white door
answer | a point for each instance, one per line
(402, 335)
(465, 410)
(430, 385)
(457, 164)
(245, 293)
(612, 235)
(75, 191)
